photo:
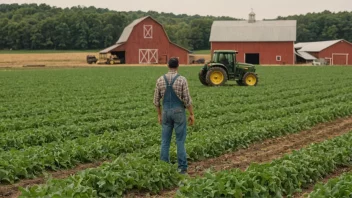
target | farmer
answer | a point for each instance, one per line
(173, 88)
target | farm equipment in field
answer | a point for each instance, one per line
(320, 61)
(91, 59)
(223, 67)
(199, 61)
(103, 59)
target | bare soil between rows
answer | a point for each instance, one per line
(264, 151)
(260, 152)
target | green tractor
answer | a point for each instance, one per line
(224, 67)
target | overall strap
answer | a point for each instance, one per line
(167, 83)
(172, 82)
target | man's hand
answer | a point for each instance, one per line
(160, 119)
(191, 115)
(191, 120)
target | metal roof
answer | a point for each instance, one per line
(107, 50)
(128, 30)
(315, 46)
(243, 31)
(305, 55)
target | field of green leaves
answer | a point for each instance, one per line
(52, 119)
(337, 187)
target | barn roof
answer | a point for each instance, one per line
(315, 46)
(107, 50)
(128, 30)
(305, 55)
(261, 31)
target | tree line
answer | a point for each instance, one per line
(322, 26)
(33, 26)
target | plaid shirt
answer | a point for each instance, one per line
(180, 87)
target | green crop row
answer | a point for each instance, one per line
(32, 161)
(132, 172)
(205, 147)
(39, 136)
(55, 107)
(281, 177)
(338, 187)
(57, 119)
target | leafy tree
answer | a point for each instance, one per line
(325, 25)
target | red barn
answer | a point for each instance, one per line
(257, 42)
(145, 41)
(336, 52)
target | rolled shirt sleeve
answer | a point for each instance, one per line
(157, 95)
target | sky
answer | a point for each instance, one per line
(264, 9)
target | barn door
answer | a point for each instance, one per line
(339, 59)
(148, 56)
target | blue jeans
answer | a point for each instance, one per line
(174, 118)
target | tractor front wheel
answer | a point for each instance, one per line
(216, 76)
(202, 77)
(250, 79)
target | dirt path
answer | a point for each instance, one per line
(266, 151)
(335, 174)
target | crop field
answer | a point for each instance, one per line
(95, 131)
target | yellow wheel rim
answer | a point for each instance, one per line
(111, 62)
(216, 77)
(251, 80)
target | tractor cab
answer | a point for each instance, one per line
(227, 58)
(223, 67)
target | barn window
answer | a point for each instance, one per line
(148, 31)
(278, 58)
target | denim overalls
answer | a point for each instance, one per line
(173, 116)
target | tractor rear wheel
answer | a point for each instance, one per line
(250, 79)
(216, 76)
(202, 77)
(112, 62)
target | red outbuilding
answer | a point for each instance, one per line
(145, 41)
(335, 52)
(257, 42)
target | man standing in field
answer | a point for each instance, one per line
(173, 88)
